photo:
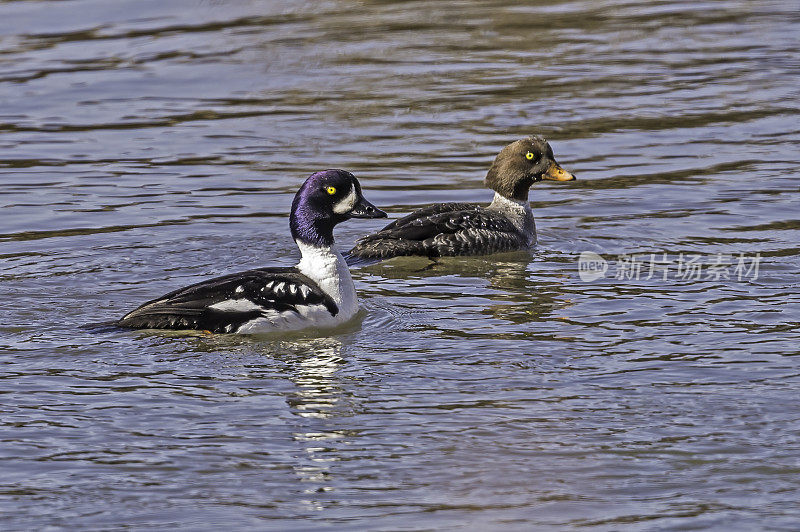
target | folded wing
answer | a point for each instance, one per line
(225, 303)
(442, 229)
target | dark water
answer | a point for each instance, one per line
(147, 145)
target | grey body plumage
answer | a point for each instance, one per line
(448, 229)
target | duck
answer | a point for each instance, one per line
(317, 292)
(449, 229)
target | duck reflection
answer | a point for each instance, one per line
(318, 394)
(520, 288)
(319, 399)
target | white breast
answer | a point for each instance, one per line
(327, 268)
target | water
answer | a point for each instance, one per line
(149, 145)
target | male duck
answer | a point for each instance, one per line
(467, 229)
(318, 292)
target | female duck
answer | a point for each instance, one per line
(318, 292)
(467, 229)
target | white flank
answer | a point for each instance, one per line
(307, 316)
(347, 203)
(236, 305)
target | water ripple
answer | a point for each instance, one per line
(146, 149)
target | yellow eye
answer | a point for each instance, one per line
(529, 155)
(330, 190)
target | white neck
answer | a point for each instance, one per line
(501, 202)
(326, 267)
(517, 211)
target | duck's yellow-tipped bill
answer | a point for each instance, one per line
(556, 173)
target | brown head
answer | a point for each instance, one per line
(521, 164)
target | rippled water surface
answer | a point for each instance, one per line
(148, 145)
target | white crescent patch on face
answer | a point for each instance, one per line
(347, 203)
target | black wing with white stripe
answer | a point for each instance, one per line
(440, 230)
(223, 304)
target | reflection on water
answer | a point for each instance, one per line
(315, 379)
(502, 286)
(145, 149)
(318, 396)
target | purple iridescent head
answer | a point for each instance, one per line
(326, 199)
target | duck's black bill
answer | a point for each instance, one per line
(365, 209)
